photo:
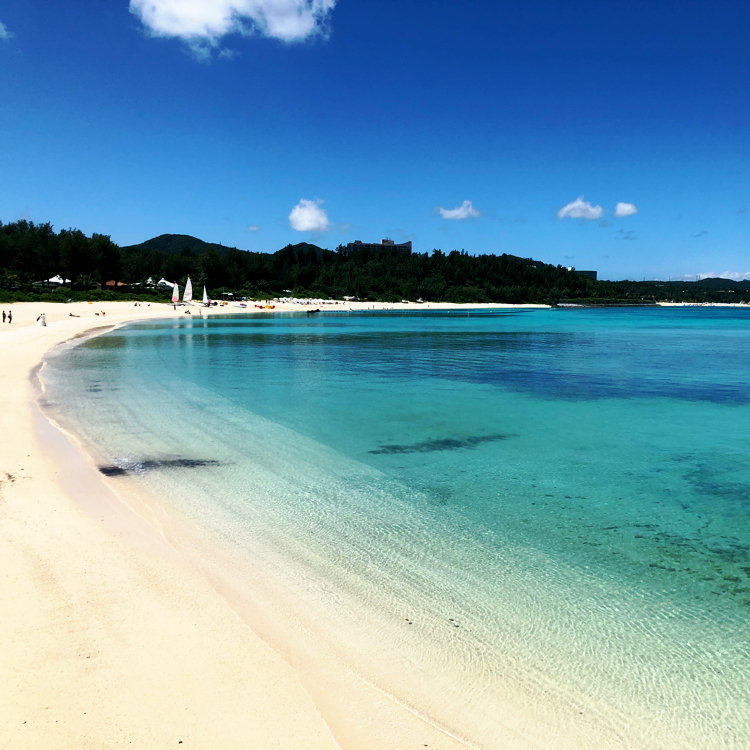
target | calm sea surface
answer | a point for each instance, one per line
(543, 512)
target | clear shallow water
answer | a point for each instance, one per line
(557, 500)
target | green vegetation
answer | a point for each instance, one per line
(98, 269)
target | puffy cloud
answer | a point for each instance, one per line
(625, 209)
(580, 209)
(308, 216)
(4, 33)
(201, 23)
(465, 211)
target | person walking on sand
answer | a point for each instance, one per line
(10, 316)
(3, 316)
(41, 320)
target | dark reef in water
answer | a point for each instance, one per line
(138, 467)
(442, 444)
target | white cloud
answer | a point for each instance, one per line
(253, 228)
(465, 211)
(625, 209)
(580, 209)
(202, 23)
(308, 216)
(4, 33)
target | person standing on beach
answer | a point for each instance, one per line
(3, 316)
(10, 316)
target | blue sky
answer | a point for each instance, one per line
(603, 135)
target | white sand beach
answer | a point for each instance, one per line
(111, 635)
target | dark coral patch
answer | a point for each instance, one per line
(442, 444)
(139, 467)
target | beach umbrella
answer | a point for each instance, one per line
(175, 293)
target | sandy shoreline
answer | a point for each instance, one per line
(112, 636)
(109, 638)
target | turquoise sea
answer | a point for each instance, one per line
(542, 515)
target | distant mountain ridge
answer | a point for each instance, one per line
(720, 283)
(176, 244)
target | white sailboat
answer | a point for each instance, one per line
(188, 295)
(175, 293)
(205, 296)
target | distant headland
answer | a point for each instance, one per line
(37, 262)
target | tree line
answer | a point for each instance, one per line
(32, 253)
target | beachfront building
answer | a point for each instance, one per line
(386, 244)
(587, 274)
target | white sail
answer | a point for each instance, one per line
(205, 296)
(188, 295)
(175, 293)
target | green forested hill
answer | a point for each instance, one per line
(175, 244)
